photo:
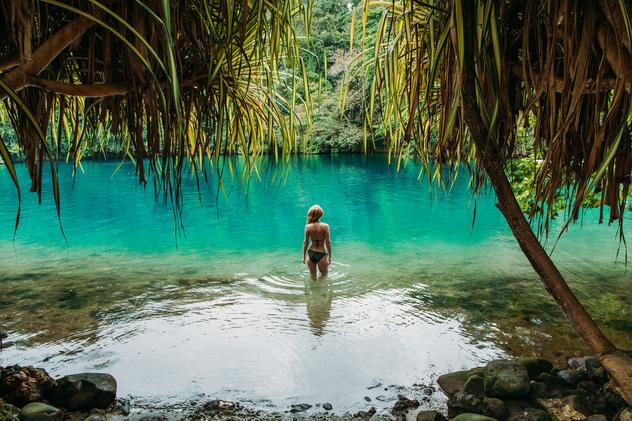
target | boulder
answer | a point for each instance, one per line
(430, 416)
(21, 385)
(84, 391)
(539, 391)
(468, 416)
(494, 408)
(583, 363)
(327, 406)
(453, 382)
(592, 397)
(462, 402)
(475, 385)
(506, 379)
(572, 376)
(37, 411)
(576, 403)
(536, 366)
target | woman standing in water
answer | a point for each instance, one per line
(319, 253)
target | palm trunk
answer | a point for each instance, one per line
(617, 364)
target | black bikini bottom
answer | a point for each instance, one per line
(315, 256)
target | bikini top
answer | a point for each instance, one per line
(314, 240)
(317, 241)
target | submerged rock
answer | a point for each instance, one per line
(506, 379)
(84, 391)
(21, 385)
(403, 404)
(37, 411)
(430, 416)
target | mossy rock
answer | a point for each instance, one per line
(9, 412)
(453, 382)
(475, 385)
(38, 411)
(472, 417)
(506, 380)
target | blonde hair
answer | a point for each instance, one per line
(314, 214)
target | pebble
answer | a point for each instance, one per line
(300, 407)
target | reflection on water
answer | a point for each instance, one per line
(318, 297)
(413, 290)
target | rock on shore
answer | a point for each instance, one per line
(35, 392)
(529, 389)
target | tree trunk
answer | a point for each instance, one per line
(617, 364)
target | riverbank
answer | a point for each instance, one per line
(523, 389)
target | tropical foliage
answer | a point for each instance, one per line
(570, 91)
(170, 82)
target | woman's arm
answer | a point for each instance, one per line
(305, 244)
(328, 243)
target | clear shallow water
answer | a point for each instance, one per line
(414, 292)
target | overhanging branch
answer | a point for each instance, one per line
(94, 90)
(46, 53)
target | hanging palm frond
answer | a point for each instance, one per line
(180, 84)
(563, 65)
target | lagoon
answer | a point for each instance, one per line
(223, 308)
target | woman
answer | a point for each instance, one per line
(317, 256)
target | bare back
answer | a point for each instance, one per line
(319, 234)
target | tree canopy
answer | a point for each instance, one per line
(557, 68)
(173, 82)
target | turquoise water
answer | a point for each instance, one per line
(226, 309)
